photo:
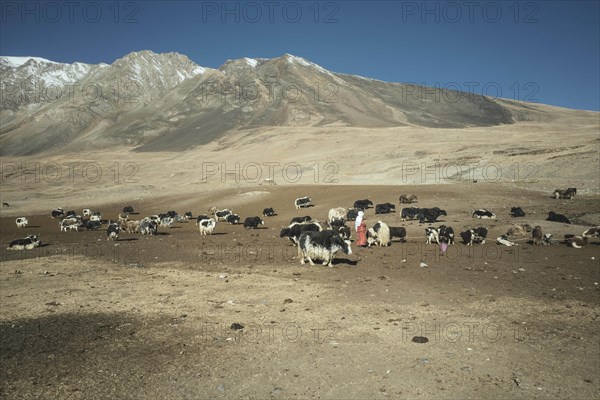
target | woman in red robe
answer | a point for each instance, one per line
(361, 230)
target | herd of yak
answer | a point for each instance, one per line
(315, 241)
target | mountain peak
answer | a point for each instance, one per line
(292, 59)
(145, 63)
(245, 62)
(149, 55)
(165, 101)
(15, 62)
(251, 61)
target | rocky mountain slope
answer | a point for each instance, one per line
(165, 102)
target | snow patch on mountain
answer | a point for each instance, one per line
(364, 77)
(15, 62)
(170, 68)
(251, 61)
(299, 60)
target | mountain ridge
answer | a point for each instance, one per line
(166, 102)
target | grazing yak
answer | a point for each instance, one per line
(442, 234)
(130, 226)
(148, 226)
(96, 216)
(592, 232)
(379, 235)
(336, 223)
(232, 219)
(554, 217)
(70, 223)
(407, 198)
(339, 226)
(351, 214)
(269, 212)
(517, 212)
(71, 213)
(166, 222)
(112, 231)
(253, 222)
(548, 240)
(432, 235)
(409, 213)
(578, 242)
(519, 230)
(207, 226)
(430, 214)
(295, 229)
(29, 243)
(362, 204)
(385, 208)
(398, 232)
(127, 210)
(537, 235)
(201, 217)
(306, 218)
(21, 222)
(476, 235)
(503, 240)
(172, 214)
(302, 202)
(338, 213)
(222, 214)
(92, 225)
(57, 213)
(483, 214)
(568, 193)
(446, 234)
(322, 246)
(344, 232)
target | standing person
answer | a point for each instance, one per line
(361, 230)
(358, 220)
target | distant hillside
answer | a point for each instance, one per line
(165, 102)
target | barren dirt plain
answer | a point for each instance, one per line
(151, 317)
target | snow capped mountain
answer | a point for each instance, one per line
(14, 62)
(146, 75)
(49, 72)
(158, 102)
(33, 80)
(299, 60)
(170, 69)
(251, 61)
(242, 64)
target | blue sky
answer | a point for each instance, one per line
(540, 51)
